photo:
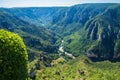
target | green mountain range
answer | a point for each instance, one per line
(99, 37)
(90, 29)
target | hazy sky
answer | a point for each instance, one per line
(28, 3)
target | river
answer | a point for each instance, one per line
(64, 52)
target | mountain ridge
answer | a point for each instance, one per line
(71, 21)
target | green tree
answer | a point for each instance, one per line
(13, 57)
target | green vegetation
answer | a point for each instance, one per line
(99, 38)
(36, 38)
(81, 69)
(67, 21)
(77, 43)
(86, 29)
(13, 57)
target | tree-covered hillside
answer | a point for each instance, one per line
(80, 68)
(70, 20)
(62, 20)
(81, 26)
(34, 15)
(35, 37)
(100, 36)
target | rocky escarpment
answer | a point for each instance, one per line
(69, 20)
(104, 31)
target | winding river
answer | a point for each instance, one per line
(64, 52)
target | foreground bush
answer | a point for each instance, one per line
(13, 57)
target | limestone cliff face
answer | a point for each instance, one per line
(104, 29)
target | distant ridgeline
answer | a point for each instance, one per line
(87, 29)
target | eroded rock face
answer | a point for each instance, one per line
(104, 31)
(37, 65)
(32, 74)
(45, 59)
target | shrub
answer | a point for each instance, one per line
(13, 57)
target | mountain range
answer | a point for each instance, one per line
(87, 29)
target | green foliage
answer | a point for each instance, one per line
(100, 36)
(84, 28)
(13, 57)
(77, 43)
(81, 68)
(36, 38)
(69, 20)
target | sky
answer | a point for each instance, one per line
(37, 3)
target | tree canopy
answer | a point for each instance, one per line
(13, 57)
